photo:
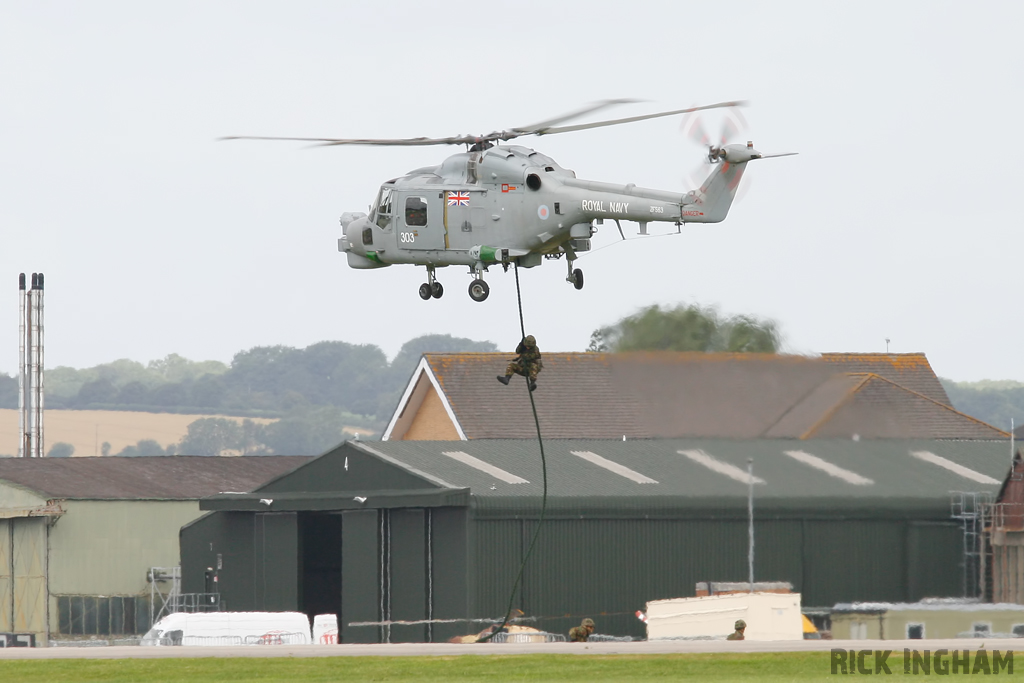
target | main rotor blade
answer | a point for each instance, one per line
(772, 156)
(542, 128)
(388, 142)
(644, 117)
(537, 128)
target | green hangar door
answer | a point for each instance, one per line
(297, 564)
(363, 565)
(385, 575)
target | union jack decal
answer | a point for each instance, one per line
(458, 199)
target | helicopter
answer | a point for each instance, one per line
(503, 204)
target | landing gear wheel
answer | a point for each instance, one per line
(478, 290)
(425, 292)
(577, 278)
(436, 290)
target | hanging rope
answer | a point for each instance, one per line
(544, 476)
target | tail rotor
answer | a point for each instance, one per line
(731, 127)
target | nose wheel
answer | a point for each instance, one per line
(478, 290)
(431, 288)
(577, 278)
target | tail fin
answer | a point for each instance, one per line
(716, 195)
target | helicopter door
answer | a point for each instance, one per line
(422, 222)
(464, 217)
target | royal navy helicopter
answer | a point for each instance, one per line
(503, 204)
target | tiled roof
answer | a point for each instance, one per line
(895, 412)
(910, 370)
(816, 407)
(576, 395)
(168, 477)
(715, 395)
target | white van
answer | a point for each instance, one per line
(230, 628)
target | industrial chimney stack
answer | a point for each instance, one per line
(30, 367)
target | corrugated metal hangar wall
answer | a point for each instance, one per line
(79, 536)
(23, 575)
(398, 564)
(374, 533)
(375, 565)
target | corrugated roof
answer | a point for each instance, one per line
(931, 605)
(168, 477)
(894, 474)
(713, 395)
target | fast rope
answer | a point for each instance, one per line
(544, 476)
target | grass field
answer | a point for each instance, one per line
(789, 666)
(86, 430)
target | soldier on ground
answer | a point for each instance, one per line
(579, 634)
(527, 363)
(738, 633)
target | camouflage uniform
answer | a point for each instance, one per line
(579, 634)
(528, 363)
(738, 633)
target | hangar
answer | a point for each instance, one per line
(429, 530)
(78, 536)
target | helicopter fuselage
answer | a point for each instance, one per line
(511, 203)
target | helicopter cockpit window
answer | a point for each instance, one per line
(382, 211)
(415, 211)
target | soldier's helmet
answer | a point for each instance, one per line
(740, 624)
(530, 340)
(587, 622)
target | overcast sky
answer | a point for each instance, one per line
(897, 219)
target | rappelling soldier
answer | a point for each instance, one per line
(527, 363)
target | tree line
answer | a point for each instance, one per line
(307, 433)
(998, 403)
(355, 380)
(312, 392)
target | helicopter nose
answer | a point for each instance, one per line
(353, 234)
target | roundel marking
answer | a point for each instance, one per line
(543, 212)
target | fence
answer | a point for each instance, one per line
(528, 637)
